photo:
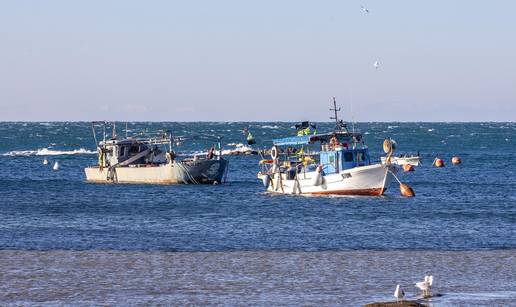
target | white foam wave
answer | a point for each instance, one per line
(48, 152)
(270, 127)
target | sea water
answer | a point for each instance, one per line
(52, 221)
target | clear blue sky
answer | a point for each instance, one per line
(257, 60)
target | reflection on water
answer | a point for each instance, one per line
(252, 278)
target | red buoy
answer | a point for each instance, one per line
(408, 168)
(406, 190)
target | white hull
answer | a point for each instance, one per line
(370, 180)
(415, 161)
(206, 171)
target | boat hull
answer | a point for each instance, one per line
(414, 161)
(371, 180)
(191, 172)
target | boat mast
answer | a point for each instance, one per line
(94, 134)
(339, 124)
(336, 117)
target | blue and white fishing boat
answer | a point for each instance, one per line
(332, 163)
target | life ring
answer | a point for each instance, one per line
(274, 152)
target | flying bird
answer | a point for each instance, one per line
(376, 64)
(365, 10)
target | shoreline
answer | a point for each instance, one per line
(252, 277)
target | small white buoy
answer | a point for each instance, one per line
(56, 166)
(45, 161)
(318, 178)
(399, 294)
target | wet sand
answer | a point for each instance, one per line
(252, 278)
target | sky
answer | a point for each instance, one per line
(257, 60)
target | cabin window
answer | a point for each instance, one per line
(122, 151)
(331, 159)
(348, 156)
(134, 149)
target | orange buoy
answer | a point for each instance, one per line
(406, 190)
(439, 162)
(408, 168)
(456, 160)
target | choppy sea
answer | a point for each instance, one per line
(66, 242)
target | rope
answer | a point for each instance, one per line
(226, 172)
(395, 177)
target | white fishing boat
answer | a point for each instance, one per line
(333, 163)
(153, 160)
(404, 160)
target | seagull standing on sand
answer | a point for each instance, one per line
(425, 285)
(399, 294)
(365, 10)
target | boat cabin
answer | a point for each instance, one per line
(130, 152)
(337, 151)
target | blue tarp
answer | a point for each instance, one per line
(294, 140)
(309, 139)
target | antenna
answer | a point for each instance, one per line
(113, 134)
(336, 118)
(339, 124)
(351, 109)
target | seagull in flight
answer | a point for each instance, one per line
(376, 64)
(365, 10)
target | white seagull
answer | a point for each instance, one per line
(365, 10)
(376, 64)
(56, 166)
(425, 285)
(45, 162)
(399, 294)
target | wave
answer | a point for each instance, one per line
(48, 152)
(269, 127)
